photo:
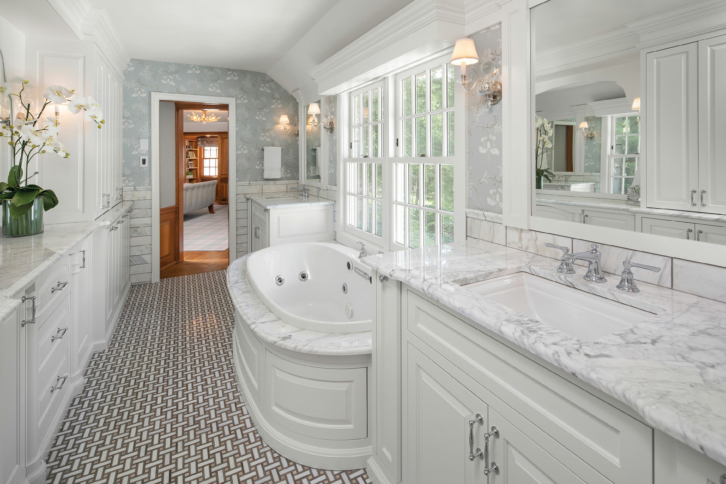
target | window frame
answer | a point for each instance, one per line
(204, 159)
(612, 156)
(400, 159)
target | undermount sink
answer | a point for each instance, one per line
(577, 313)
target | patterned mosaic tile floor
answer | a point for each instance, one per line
(162, 405)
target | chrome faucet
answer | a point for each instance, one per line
(565, 260)
(593, 258)
(627, 283)
(362, 250)
(303, 191)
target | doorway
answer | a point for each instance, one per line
(193, 188)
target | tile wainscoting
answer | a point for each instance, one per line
(690, 277)
(140, 236)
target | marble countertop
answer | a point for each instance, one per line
(283, 201)
(23, 259)
(610, 204)
(670, 368)
(271, 329)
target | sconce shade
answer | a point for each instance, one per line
(584, 125)
(636, 104)
(314, 108)
(284, 119)
(464, 53)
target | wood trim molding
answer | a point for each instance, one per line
(181, 171)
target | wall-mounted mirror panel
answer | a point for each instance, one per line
(313, 151)
(619, 150)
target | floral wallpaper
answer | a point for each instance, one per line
(260, 103)
(333, 142)
(484, 129)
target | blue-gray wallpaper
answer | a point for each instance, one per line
(260, 103)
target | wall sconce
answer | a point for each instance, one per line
(285, 122)
(636, 106)
(586, 131)
(489, 88)
(314, 110)
(329, 123)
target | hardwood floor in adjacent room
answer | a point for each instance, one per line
(198, 262)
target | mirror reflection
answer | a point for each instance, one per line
(312, 141)
(620, 138)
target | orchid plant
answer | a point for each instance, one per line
(31, 135)
(543, 146)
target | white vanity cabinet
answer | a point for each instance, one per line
(686, 113)
(713, 234)
(12, 381)
(611, 219)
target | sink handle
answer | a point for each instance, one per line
(565, 260)
(565, 250)
(627, 264)
(627, 281)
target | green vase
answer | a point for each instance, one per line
(30, 223)
(539, 183)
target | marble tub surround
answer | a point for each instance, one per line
(23, 259)
(267, 203)
(270, 329)
(610, 204)
(668, 368)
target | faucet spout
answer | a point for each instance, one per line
(594, 259)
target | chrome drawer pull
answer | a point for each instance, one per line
(84, 259)
(62, 380)
(32, 320)
(493, 467)
(693, 202)
(382, 278)
(60, 332)
(59, 287)
(688, 234)
(257, 232)
(473, 455)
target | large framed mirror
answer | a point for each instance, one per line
(313, 149)
(628, 133)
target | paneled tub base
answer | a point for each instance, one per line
(310, 409)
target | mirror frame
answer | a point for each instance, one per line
(519, 199)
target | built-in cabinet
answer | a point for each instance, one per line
(47, 342)
(472, 408)
(686, 119)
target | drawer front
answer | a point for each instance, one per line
(613, 443)
(53, 386)
(54, 335)
(51, 288)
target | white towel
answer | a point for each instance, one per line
(273, 162)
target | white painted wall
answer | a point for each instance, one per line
(167, 154)
(12, 45)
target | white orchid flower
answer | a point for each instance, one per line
(60, 149)
(21, 80)
(5, 90)
(58, 94)
(77, 104)
(94, 114)
(30, 135)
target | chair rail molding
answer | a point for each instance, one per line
(418, 31)
(94, 24)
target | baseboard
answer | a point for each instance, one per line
(328, 459)
(117, 314)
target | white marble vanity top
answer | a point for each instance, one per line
(284, 200)
(612, 204)
(271, 329)
(23, 259)
(670, 368)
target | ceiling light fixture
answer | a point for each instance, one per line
(204, 118)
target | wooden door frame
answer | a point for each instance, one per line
(188, 101)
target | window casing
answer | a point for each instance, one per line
(624, 152)
(210, 161)
(423, 172)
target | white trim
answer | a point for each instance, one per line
(611, 107)
(156, 97)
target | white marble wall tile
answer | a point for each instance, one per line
(140, 278)
(274, 188)
(140, 222)
(139, 204)
(700, 279)
(137, 260)
(136, 241)
(484, 230)
(613, 257)
(488, 216)
(141, 231)
(143, 213)
(140, 250)
(140, 269)
(534, 242)
(251, 189)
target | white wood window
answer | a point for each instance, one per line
(211, 160)
(624, 152)
(366, 168)
(423, 172)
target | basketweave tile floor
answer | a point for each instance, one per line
(162, 404)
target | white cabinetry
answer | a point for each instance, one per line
(12, 382)
(686, 153)
(713, 234)
(610, 219)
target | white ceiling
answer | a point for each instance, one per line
(562, 22)
(238, 34)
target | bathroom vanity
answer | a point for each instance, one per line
(468, 390)
(276, 219)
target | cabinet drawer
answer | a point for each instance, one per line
(54, 335)
(53, 385)
(613, 443)
(51, 288)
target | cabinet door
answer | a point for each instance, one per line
(712, 124)
(672, 115)
(12, 376)
(438, 412)
(713, 234)
(81, 332)
(614, 220)
(520, 461)
(556, 213)
(668, 228)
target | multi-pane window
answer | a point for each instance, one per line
(365, 197)
(364, 179)
(210, 160)
(624, 152)
(423, 198)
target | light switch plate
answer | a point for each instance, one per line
(143, 145)
(144, 161)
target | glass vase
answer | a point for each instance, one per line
(30, 223)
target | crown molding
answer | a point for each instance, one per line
(609, 107)
(417, 31)
(91, 24)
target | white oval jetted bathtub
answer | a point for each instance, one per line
(313, 286)
(302, 350)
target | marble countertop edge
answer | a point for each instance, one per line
(270, 202)
(270, 329)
